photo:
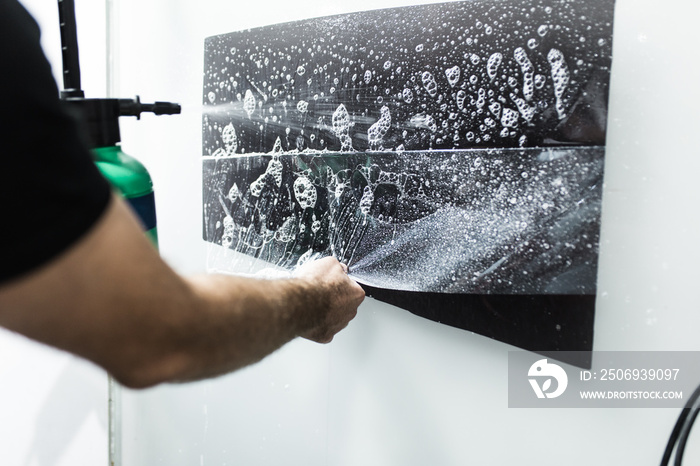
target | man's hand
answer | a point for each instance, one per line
(340, 297)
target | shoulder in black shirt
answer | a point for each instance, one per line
(51, 193)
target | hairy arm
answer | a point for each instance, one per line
(111, 299)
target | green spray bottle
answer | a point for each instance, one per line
(101, 118)
(126, 174)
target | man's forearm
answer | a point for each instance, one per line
(215, 325)
(111, 299)
(239, 321)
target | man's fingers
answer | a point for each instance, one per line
(343, 296)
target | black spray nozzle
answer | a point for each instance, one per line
(101, 116)
(134, 107)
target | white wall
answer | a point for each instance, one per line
(393, 388)
(53, 406)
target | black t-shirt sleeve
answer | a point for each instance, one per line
(51, 193)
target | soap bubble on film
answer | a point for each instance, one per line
(407, 95)
(532, 43)
(249, 102)
(367, 200)
(301, 70)
(526, 111)
(419, 48)
(340, 121)
(453, 75)
(211, 96)
(495, 109)
(528, 72)
(542, 30)
(560, 76)
(539, 81)
(475, 59)
(481, 99)
(305, 192)
(387, 64)
(460, 98)
(227, 237)
(509, 118)
(602, 42)
(429, 83)
(493, 63)
(430, 123)
(368, 76)
(421, 120)
(376, 132)
(228, 135)
(256, 186)
(302, 106)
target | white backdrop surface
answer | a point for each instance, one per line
(393, 388)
